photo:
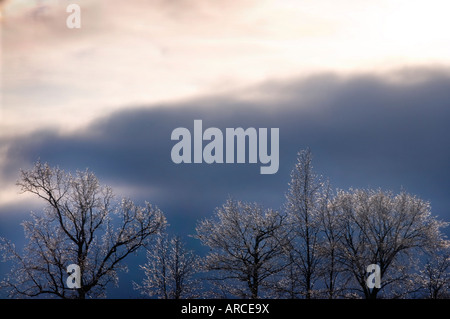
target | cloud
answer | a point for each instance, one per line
(146, 52)
(365, 131)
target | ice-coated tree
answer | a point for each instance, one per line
(81, 224)
(433, 280)
(170, 270)
(303, 205)
(331, 273)
(385, 229)
(246, 245)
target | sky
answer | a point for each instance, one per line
(364, 84)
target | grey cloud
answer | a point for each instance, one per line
(364, 131)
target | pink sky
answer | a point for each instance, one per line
(139, 52)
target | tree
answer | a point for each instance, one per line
(81, 224)
(303, 205)
(331, 270)
(170, 270)
(246, 244)
(384, 229)
(434, 279)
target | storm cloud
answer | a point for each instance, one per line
(389, 131)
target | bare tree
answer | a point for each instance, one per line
(332, 272)
(434, 279)
(385, 229)
(170, 270)
(303, 204)
(246, 244)
(81, 224)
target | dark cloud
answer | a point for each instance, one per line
(364, 131)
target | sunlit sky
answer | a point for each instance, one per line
(130, 53)
(143, 53)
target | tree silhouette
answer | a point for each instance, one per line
(245, 244)
(81, 224)
(170, 270)
(385, 229)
